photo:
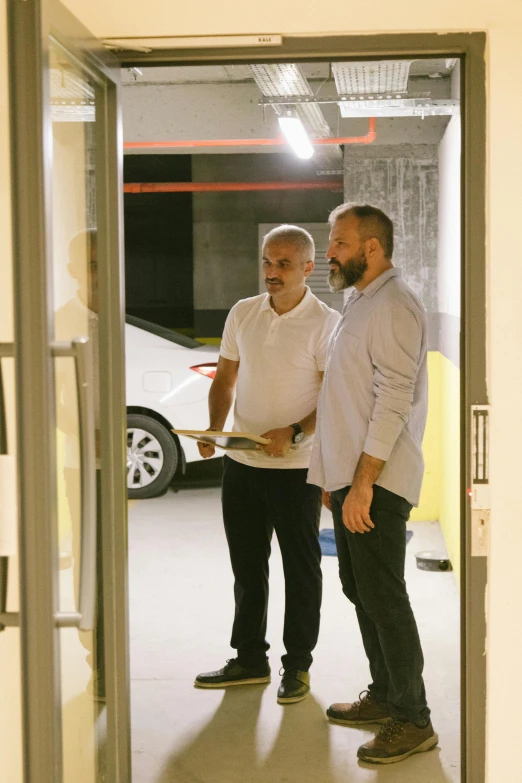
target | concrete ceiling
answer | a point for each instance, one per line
(223, 102)
(211, 74)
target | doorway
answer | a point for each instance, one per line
(445, 326)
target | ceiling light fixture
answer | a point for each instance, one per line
(294, 132)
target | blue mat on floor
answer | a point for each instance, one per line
(327, 541)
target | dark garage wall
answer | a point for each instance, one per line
(226, 259)
(159, 267)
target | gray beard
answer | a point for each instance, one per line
(347, 275)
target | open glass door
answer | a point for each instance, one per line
(70, 400)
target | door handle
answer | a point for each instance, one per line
(84, 618)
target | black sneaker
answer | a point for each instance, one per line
(234, 674)
(295, 686)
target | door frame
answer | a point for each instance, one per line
(469, 48)
(30, 26)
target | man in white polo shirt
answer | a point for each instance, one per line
(273, 355)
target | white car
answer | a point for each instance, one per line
(168, 380)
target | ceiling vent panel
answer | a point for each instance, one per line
(377, 77)
(286, 79)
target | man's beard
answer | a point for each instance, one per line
(347, 274)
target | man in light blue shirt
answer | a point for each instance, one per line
(367, 458)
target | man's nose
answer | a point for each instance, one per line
(330, 252)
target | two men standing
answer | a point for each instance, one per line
(366, 458)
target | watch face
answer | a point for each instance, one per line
(299, 437)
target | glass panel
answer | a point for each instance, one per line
(73, 114)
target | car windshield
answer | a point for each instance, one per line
(163, 331)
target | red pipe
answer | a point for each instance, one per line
(367, 139)
(212, 187)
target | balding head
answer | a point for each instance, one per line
(371, 223)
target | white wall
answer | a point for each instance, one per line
(448, 266)
(502, 19)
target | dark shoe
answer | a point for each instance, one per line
(234, 674)
(366, 710)
(295, 686)
(396, 741)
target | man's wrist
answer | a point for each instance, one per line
(297, 432)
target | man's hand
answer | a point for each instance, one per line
(280, 441)
(326, 498)
(356, 509)
(207, 449)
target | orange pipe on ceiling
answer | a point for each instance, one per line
(279, 140)
(213, 187)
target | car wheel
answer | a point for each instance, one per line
(152, 457)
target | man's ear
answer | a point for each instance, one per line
(373, 246)
(309, 268)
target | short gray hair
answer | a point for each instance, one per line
(298, 236)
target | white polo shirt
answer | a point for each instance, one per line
(280, 360)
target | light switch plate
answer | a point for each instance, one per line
(480, 532)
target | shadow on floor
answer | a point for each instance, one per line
(226, 750)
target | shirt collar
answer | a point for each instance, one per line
(374, 286)
(297, 310)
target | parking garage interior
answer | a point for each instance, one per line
(196, 206)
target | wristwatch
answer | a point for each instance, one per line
(298, 435)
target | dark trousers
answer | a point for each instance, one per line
(371, 569)
(257, 501)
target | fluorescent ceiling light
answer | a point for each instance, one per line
(296, 135)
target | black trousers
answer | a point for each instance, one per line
(371, 569)
(257, 501)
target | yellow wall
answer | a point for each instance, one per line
(429, 505)
(440, 488)
(449, 516)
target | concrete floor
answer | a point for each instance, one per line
(181, 609)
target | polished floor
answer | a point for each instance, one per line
(181, 608)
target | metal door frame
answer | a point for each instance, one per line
(30, 25)
(470, 49)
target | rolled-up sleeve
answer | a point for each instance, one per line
(395, 347)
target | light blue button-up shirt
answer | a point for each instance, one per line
(374, 396)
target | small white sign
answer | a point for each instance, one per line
(193, 42)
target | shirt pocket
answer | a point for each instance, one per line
(349, 343)
(346, 353)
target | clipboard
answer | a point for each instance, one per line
(240, 441)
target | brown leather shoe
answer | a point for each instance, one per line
(366, 710)
(396, 741)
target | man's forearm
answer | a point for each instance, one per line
(308, 423)
(368, 471)
(220, 400)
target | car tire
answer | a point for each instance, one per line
(152, 457)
